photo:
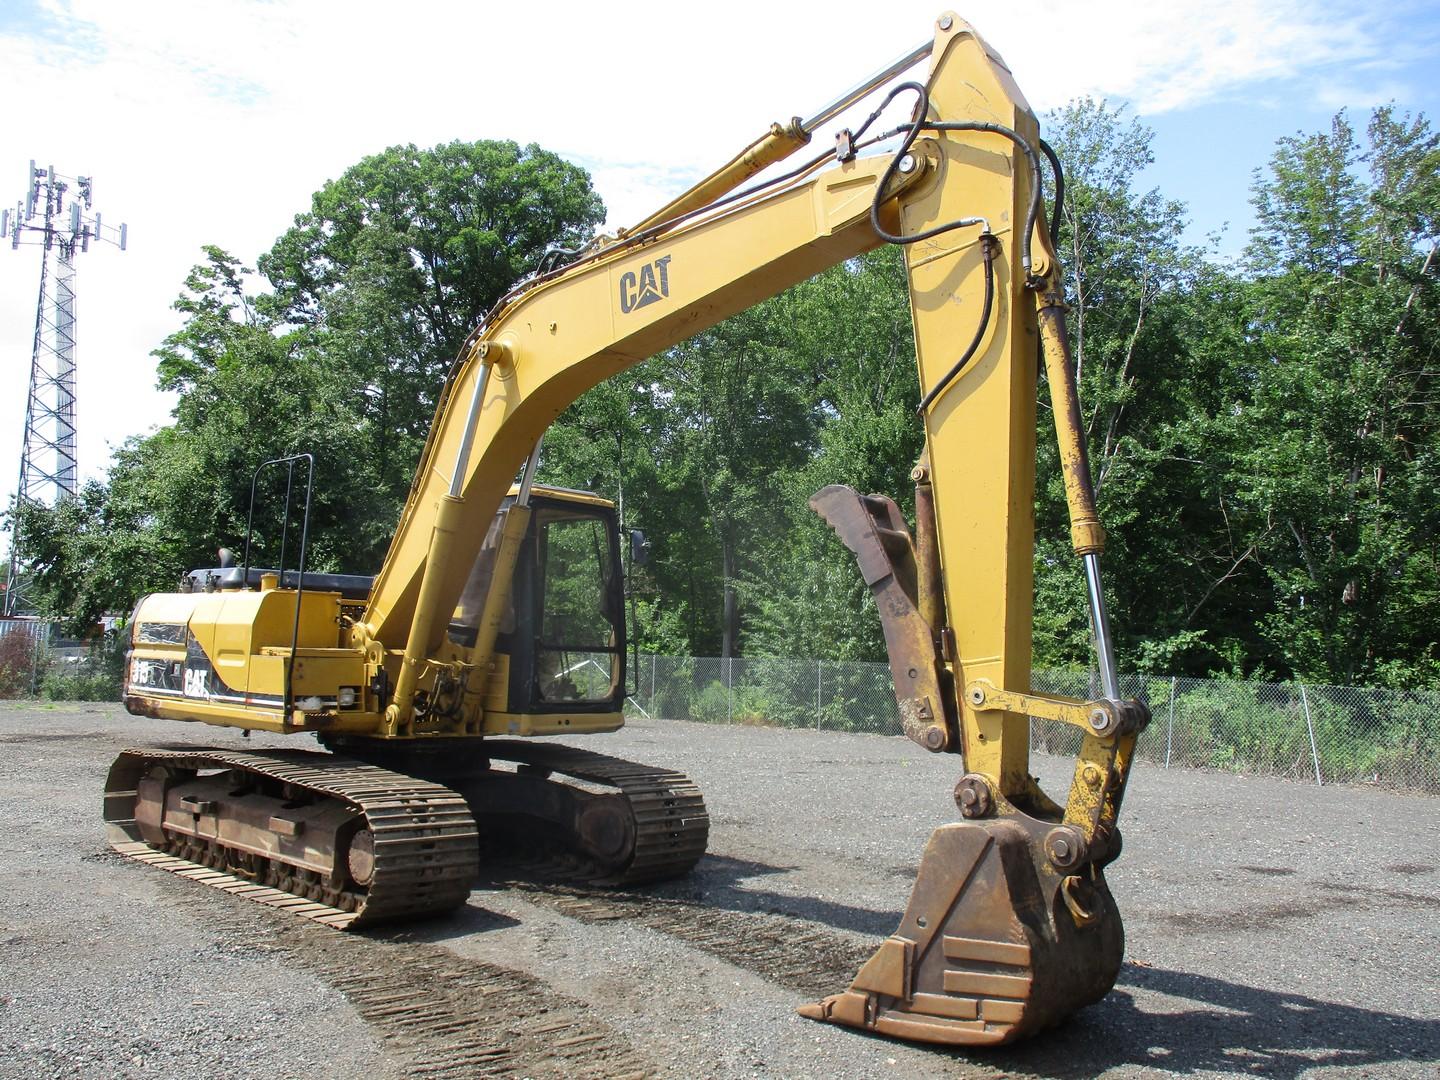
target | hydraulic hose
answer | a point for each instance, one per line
(987, 248)
(1059, 173)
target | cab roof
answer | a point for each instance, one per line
(570, 495)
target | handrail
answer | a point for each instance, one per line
(290, 461)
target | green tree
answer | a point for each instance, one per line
(715, 446)
(249, 390)
(397, 261)
(1337, 442)
(610, 442)
(851, 326)
(1149, 388)
(374, 291)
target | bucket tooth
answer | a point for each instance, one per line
(995, 943)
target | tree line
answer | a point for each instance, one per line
(1264, 432)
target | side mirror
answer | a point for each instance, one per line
(639, 548)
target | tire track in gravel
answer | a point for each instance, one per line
(441, 1016)
(450, 1018)
(784, 950)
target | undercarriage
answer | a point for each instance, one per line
(349, 842)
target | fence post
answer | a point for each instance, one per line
(1310, 726)
(652, 684)
(1170, 724)
(729, 689)
(817, 693)
(35, 638)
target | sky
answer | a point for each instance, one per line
(210, 122)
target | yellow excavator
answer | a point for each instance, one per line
(498, 613)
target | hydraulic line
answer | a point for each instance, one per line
(550, 267)
(1032, 211)
(919, 124)
(987, 239)
(987, 249)
(1059, 173)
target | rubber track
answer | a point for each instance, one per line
(672, 826)
(426, 843)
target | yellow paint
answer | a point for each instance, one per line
(497, 686)
(775, 145)
(503, 723)
(570, 495)
(717, 267)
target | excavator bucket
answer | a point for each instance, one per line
(995, 943)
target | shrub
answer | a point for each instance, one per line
(21, 665)
(94, 677)
(711, 704)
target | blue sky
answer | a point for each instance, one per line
(1206, 152)
(213, 122)
(1205, 156)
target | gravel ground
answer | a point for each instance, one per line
(1274, 929)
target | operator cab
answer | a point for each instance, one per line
(563, 628)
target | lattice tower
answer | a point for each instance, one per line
(61, 225)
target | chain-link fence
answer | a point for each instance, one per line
(1326, 734)
(35, 663)
(24, 646)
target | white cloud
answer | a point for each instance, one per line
(213, 123)
(1357, 92)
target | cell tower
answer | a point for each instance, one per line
(62, 228)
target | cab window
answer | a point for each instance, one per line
(578, 655)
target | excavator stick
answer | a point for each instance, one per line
(1010, 927)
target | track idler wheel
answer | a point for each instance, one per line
(996, 943)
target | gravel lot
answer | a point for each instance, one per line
(1275, 929)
